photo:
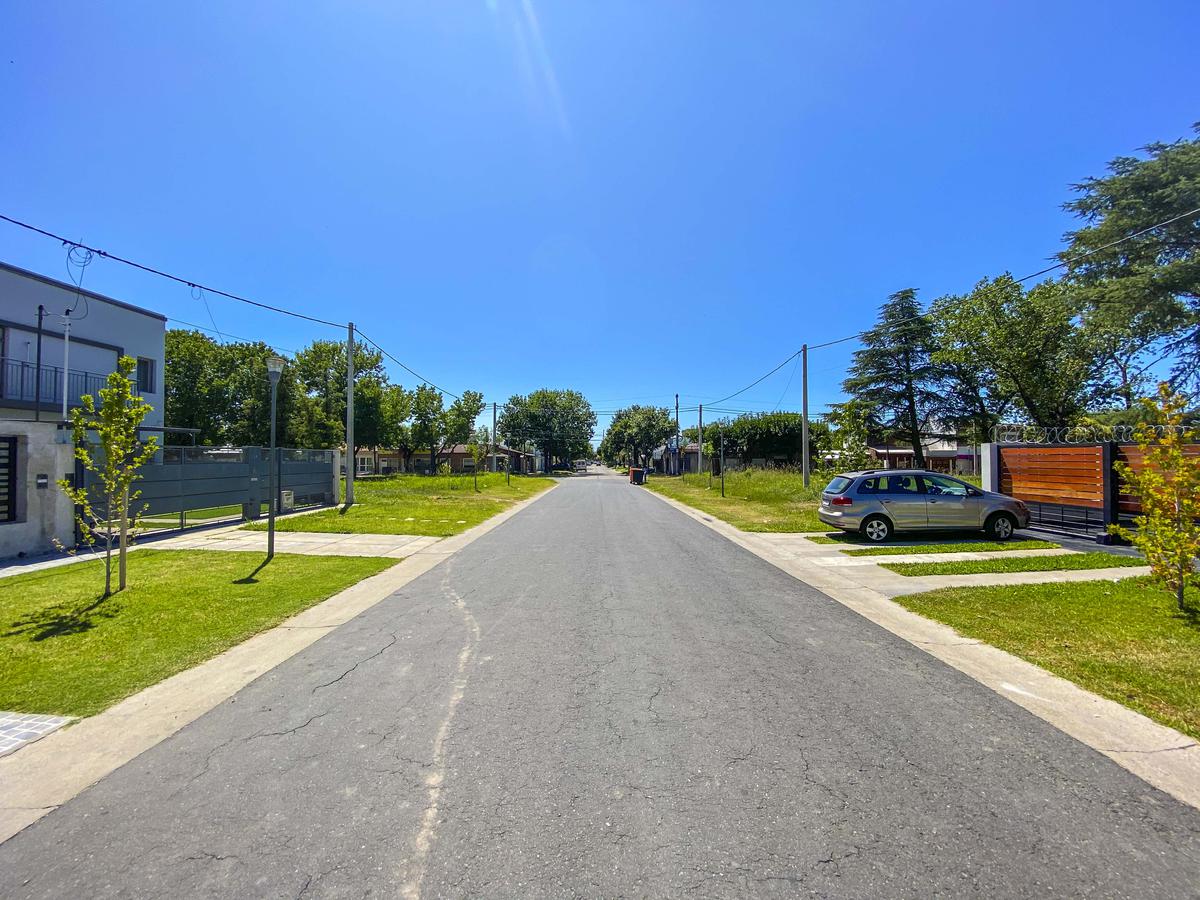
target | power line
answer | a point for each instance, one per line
(1058, 265)
(153, 271)
(226, 334)
(404, 367)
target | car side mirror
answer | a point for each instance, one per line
(974, 492)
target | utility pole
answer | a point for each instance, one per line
(66, 358)
(351, 462)
(722, 462)
(677, 451)
(495, 443)
(700, 441)
(37, 370)
(804, 411)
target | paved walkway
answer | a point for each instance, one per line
(866, 571)
(603, 697)
(393, 546)
(19, 729)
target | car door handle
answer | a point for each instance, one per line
(931, 501)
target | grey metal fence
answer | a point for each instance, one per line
(202, 485)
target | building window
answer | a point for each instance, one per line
(145, 375)
(8, 479)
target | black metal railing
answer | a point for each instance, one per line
(19, 381)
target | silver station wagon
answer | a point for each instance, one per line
(878, 503)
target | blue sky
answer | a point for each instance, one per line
(632, 199)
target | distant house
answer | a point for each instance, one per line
(372, 461)
(101, 330)
(943, 449)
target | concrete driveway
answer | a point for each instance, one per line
(603, 697)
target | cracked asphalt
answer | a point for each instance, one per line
(601, 697)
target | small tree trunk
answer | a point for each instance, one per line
(124, 545)
(108, 539)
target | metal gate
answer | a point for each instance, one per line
(206, 485)
(8, 479)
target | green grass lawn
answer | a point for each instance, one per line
(62, 651)
(1125, 640)
(437, 505)
(862, 547)
(1068, 562)
(755, 499)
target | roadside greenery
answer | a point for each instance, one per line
(1123, 640)
(1065, 563)
(634, 433)
(560, 423)
(1168, 487)
(416, 504)
(110, 513)
(67, 650)
(1061, 352)
(955, 544)
(755, 499)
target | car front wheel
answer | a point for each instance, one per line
(1000, 526)
(877, 529)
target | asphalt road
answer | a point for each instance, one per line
(603, 698)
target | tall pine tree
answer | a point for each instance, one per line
(893, 374)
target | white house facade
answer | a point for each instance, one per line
(101, 330)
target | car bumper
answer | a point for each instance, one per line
(838, 519)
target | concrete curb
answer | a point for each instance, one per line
(1160, 756)
(46, 774)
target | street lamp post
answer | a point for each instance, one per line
(275, 366)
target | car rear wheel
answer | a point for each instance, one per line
(876, 529)
(1000, 526)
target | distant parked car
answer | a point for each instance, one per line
(878, 503)
(581, 465)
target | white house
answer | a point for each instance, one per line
(101, 330)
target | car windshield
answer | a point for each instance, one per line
(839, 484)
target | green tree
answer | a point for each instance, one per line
(970, 397)
(437, 426)
(320, 369)
(1146, 287)
(635, 432)
(114, 459)
(560, 423)
(246, 393)
(193, 395)
(1027, 345)
(1168, 487)
(772, 436)
(894, 372)
(850, 439)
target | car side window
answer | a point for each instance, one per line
(944, 487)
(902, 484)
(869, 486)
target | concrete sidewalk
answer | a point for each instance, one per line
(867, 571)
(393, 546)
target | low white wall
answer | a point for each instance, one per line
(43, 513)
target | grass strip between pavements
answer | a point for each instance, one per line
(760, 500)
(954, 545)
(1125, 640)
(1065, 563)
(64, 651)
(438, 505)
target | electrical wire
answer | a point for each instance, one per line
(81, 258)
(153, 271)
(230, 335)
(1058, 265)
(416, 375)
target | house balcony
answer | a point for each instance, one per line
(19, 385)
